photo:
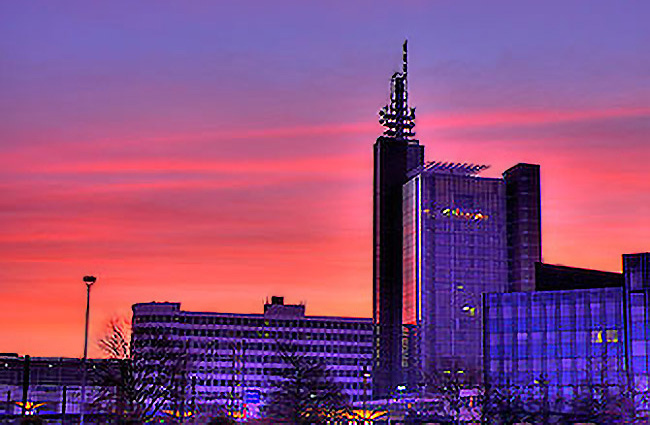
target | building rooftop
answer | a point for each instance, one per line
(549, 277)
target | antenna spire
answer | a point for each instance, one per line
(397, 116)
(405, 57)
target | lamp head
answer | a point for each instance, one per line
(89, 280)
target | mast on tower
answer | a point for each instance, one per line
(397, 116)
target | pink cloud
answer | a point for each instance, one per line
(174, 218)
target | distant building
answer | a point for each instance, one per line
(52, 384)
(233, 360)
(565, 344)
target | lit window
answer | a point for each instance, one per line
(612, 335)
(597, 337)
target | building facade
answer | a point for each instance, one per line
(234, 360)
(572, 340)
(576, 343)
(455, 250)
(636, 268)
(396, 152)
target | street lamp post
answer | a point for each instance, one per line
(89, 281)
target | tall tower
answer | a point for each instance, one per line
(396, 152)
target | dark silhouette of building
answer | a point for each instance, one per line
(524, 226)
(395, 153)
(549, 277)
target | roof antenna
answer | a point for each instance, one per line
(405, 56)
(397, 116)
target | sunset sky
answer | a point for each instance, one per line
(216, 153)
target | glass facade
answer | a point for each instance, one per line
(636, 268)
(571, 341)
(454, 250)
(640, 349)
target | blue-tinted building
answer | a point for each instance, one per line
(572, 340)
(636, 268)
(573, 343)
(463, 236)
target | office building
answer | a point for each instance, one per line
(455, 249)
(395, 153)
(427, 271)
(566, 344)
(572, 339)
(464, 235)
(234, 360)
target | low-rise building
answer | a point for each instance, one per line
(234, 360)
(559, 346)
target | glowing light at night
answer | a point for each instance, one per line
(30, 407)
(458, 213)
(468, 215)
(178, 414)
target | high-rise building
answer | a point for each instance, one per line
(442, 237)
(455, 249)
(234, 360)
(396, 152)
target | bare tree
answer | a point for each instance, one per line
(307, 393)
(137, 386)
